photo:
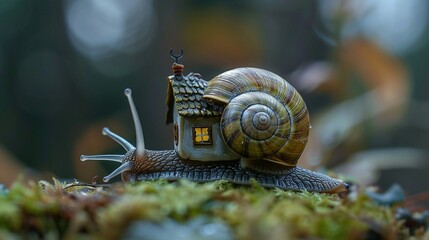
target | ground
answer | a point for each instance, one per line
(188, 210)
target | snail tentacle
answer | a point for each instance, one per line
(123, 168)
(124, 143)
(132, 152)
(104, 157)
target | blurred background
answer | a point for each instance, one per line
(360, 65)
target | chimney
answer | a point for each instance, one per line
(177, 69)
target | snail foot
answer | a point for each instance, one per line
(264, 166)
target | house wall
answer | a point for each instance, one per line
(186, 149)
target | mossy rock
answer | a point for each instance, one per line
(188, 210)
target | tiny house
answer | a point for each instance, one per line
(197, 133)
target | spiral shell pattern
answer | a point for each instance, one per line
(265, 117)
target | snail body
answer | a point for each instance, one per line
(264, 125)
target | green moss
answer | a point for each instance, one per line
(60, 210)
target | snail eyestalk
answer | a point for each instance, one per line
(140, 147)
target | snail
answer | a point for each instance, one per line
(246, 123)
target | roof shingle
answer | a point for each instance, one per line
(188, 91)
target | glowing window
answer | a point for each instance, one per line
(202, 135)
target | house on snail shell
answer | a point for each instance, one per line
(197, 133)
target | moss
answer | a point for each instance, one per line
(59, 210)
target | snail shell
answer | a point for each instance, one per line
(265, 117)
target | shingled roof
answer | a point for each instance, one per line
(187, 92)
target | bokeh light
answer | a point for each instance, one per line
(394, 24)
(101, 28)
